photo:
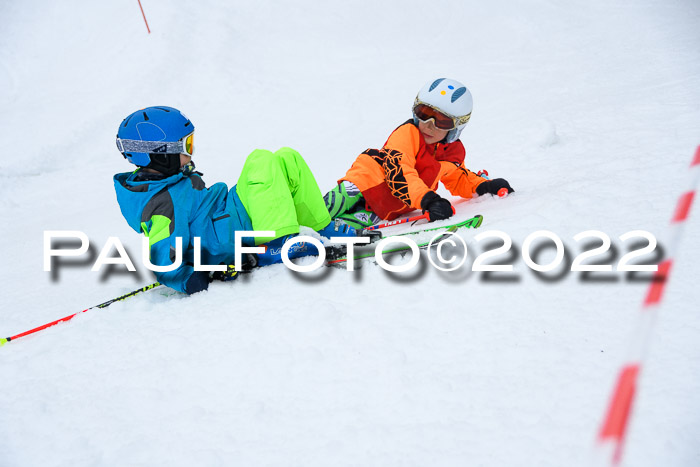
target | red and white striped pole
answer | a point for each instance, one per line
(614, 427)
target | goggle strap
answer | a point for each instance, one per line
(463, 119)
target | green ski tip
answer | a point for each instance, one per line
(2, 341)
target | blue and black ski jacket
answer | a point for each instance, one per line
(182, 206)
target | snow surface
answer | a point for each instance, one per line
(590, 109)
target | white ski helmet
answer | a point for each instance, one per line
(448, 97)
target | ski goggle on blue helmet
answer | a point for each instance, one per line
(155, 130)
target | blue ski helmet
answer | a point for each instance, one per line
(155, 137)
(449, 97)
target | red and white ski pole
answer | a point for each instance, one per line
(614, 427)
(3, 341)
(397, 222)
(402, 221)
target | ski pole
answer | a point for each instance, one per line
(502, 193)
(402, 221)
(397, 222)
(68, 318)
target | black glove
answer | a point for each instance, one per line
(228, 275)
(492, 186)
(438, 208)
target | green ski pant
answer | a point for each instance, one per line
(280, 193)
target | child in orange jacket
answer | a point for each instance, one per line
(403, 175)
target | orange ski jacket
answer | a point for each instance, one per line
(394, 179)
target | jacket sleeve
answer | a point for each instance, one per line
(399, 165)
(162, 227)
(459, 180)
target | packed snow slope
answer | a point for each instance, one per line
(590, 109)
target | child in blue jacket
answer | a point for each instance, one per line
(166, 199)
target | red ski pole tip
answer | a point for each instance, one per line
(503, 192)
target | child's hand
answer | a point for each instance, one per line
(228, 275)
(437, 207)
(493, 186)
